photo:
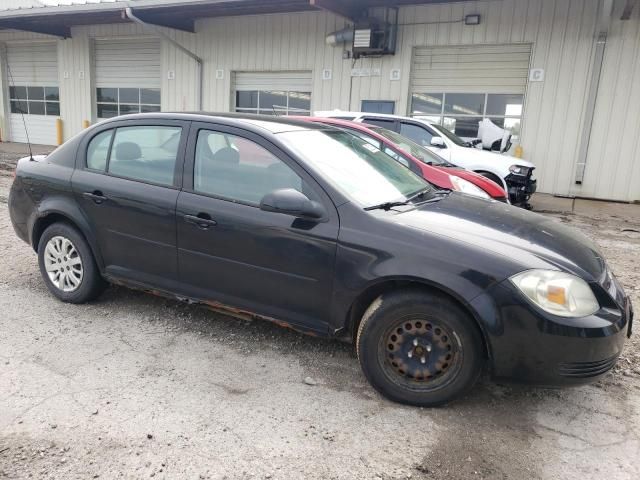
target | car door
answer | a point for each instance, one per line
(231, 251)
(126, 183)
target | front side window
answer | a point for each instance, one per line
(361, 171)
(35, 100)
(273, 102)
(112, 102)
(143, 153)
(240, 170)
(418, 134)
(408, 145)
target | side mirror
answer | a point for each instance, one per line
(437, 142)
(291, 202)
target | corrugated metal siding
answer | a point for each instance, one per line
(613, 161)
(127, 63)
(476, 68)
(561, 33)
(75, 69)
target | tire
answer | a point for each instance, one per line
(493, 178)
(64, 253)
(446, 348)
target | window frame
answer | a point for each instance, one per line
(189, 164)
(278, 111)
(81, 156)
(27, 100)
(117, 103)
(484, 114)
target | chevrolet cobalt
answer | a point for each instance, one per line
(310, 226)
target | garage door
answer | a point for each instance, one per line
(457, 86)
(127, 76)
(271, 93)
(33, 92)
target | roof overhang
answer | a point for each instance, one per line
(177, 14)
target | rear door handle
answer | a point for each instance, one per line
(96, 196)
(202, 220)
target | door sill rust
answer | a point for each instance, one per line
(212, 305)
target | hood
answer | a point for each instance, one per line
(478, 155)
(522, 238)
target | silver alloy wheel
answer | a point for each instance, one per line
(63, 264)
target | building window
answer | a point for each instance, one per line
(112, 102)
(271, 102)
(461, 112)
(35, 100)
(378, 106)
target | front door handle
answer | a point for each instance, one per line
(96, 196)
(202, 220)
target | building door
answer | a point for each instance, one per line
(127, 76)
(34, 99)
(457, 86)
(273, 93)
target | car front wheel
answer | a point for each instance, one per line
(67, 265)
(419, 348)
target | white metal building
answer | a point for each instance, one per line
(563, 75)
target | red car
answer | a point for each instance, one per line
(425, 163)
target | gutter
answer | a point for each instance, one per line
(128, 13)
(604, 21)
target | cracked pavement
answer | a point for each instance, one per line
(136, 386)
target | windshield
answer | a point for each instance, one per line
(408, 145)
(450, 135)
(358, 169)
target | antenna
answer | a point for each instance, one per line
(24, 122)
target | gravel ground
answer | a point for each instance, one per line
(136, 386)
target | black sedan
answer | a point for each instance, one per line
(312, 227)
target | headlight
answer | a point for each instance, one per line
(558, 293)
(519, 170)
(462, 185)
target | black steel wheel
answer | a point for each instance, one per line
(419, 348)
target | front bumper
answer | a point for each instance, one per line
(520, 188)
(527, 345)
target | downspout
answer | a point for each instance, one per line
(130, 15)
(594, 84)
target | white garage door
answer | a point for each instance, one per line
(271, 93)
(127, 76)
(33, 92)
(457, 86)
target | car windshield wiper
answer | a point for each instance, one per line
(390, 205)
(386, 205)
(418, 194)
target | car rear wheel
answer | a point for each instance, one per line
(67, 265)
(419, 348)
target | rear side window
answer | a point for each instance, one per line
(380, 122)
(144, 153)
(98, 151)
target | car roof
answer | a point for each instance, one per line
(341, 113)
(272, 124)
